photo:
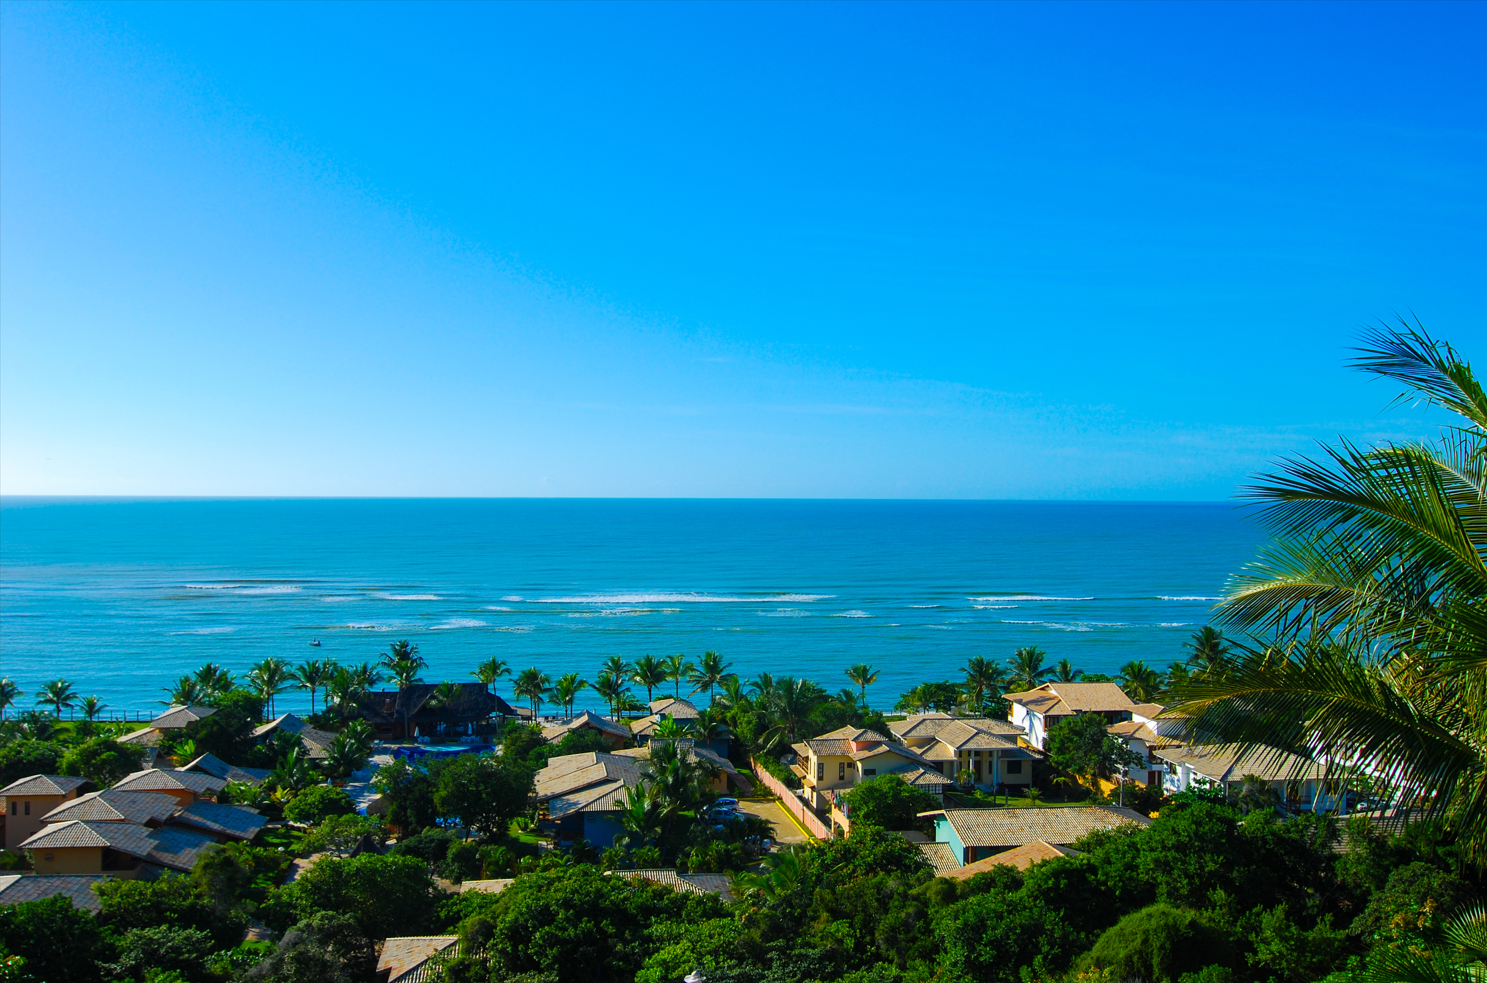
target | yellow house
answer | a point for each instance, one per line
(187, 786)
(834, 762)
(993, 752)
(117, 849)
(29, 799)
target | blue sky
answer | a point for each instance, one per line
(1002, 251)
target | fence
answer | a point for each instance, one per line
(791, 802)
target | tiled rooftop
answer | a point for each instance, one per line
(111, 806)
(1224, 763)
(178, 716)
(170, 779)
(43, 785)
(1059, 826)
(401, 958)
(20, 888)
(1021, 857)
(940, 856)
(236, 821)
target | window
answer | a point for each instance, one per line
(28, 807)
(1014, 767)
(869, 771)
(820, 771)
(841, 771)
(12, 807)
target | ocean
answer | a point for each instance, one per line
(120, 597)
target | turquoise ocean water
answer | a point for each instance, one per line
(120, 597)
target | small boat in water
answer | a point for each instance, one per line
(314, 643)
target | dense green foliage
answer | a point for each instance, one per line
(890, 803)
(318, 803)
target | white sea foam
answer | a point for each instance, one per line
(993, 607)
(371, 627)
(247, 588)
(677, 598)
(852, 614)
(409, 597)
(279, 589)
(512, 597)
(214, 586)
(1028, 597)
(338, 598)
(515, 627)
(495, 607)
(784, 613)
(1187, 597)
(460, 623)
(1174, 624)
(923, 605)
(203, 631)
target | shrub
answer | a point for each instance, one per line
(889, 802)
(431, 846)
(461, 861)
(390, 895)
(57, 941)
(102, 761)
(324, 948)
(1159, 943)
(163, 949)
(318, 803)
(20, 759)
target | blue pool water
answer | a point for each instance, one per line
(121, 597)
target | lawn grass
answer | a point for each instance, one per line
(981, 800)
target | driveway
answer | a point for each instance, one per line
(786, 830)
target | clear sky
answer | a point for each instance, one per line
(1058, 250)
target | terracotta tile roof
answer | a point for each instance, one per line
(940, 857)
(178, 716)
(148, 737)
(236, 821)
(210, 764)
(1133, 729)
(317, 742)
(44, 785)
(963, 735)
(1223, 763)
(564, 775)
(680, 709)
(839, 742)
(129, 838)
(919, 725)
(605, 797)
(1021, 857)
(1014, 827)
(1040, 701)
(925, 778)
(1149, 710)
(20, 888)
(690, 883)
(170, 779)
(586, 720)
(403, 958)
(494, 885)
(112, 806)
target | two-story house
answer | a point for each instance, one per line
(1034, 711)
(994, 752)
(27, 800)
(834, 762)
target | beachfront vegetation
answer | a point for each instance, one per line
(1369, 608)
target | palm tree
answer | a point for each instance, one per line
(642, 816)
(983, 678)
(213, 680)
(57, 694)
(790, 711)
(710, 672)
(762, 687)
(1460, 956)
(668, 728)
(565, 691)
(532, 684)
(1064, 672)
(185, 692)
(648, 672)
(313, 675)
(403, 663)
(91, 707)
(1255, 793)
(491, 670)
(268, 679)
(445, 698)
(677, 669)
(610, 689)
(344, 689)
(1370, 596)
(616, 666)
(1027, 668)
(8, 694)
(862, 676)
(1208, 653)
(1141, 682)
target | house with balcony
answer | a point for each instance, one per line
(995, 752)
(1034, 711)
(1297, 784)
(831, 764)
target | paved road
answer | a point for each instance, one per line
(786, 830)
